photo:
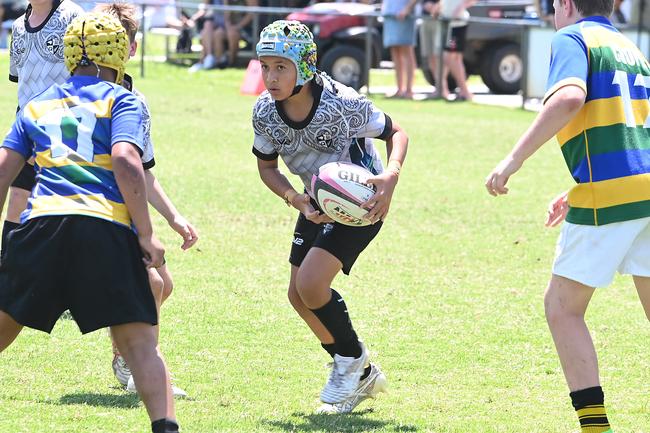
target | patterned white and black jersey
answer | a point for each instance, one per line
(36, 54)
(340, 127)
(147, 144)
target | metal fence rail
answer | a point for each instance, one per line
(370, 16)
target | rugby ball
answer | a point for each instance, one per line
(340, 188)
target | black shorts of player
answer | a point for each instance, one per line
(87, 265)
(456, 37)
(26, 179)
(343, 242)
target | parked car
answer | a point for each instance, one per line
(341, 40)
(492, 50)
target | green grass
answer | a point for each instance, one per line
(448, 297)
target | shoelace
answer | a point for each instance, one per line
(335, 378)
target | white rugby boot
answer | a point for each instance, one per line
(176, 391)
(369, 387)
(344, 378)
(121, 370)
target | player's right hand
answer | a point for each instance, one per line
(186, 230)
(302, 202)
(557, 210)
(495, 182)
(152, 250)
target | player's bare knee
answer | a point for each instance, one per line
(294, 297)
(312, 291)
(168, 288)
(156, 282)
(168, 282)
(552, 310)
(134, 342)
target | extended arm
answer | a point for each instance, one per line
(559, 109)
(163, 204)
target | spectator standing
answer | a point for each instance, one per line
(430, 38)
(456, 12)
(399, 36)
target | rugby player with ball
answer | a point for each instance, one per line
(310, 120)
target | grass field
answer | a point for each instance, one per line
(448, 298)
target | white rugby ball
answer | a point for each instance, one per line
(340, 188)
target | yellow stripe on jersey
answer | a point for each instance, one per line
(611, 192)
(603, 112)
(37, 109)
(599, 37)
(91, 205)
(44, 160)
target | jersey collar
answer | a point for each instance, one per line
(596, 19)
(28, 12)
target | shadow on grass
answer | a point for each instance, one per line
(124, 401)
(348, 423)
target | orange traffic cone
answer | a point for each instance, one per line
(253, 83)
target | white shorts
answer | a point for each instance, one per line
(591, 255)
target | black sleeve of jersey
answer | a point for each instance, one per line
(127, 82)
(13, 78)
(265, 156)
(149, 164)
(388, 129)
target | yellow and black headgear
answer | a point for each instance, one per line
(96, 38)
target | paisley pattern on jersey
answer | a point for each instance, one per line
(341, 129)
(36, 57)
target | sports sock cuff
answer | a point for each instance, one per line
(587, 397)
(336, 295)
(330, 348)
(164, 425)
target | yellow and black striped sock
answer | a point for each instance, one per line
(589, 405)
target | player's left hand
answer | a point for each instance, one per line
(557, 210)
(186, 230)
(379, 203)
(401, 15)
(496, 181)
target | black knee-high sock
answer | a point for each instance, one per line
(329, 348)
(6, 228)
(334, 316)
(164, 425)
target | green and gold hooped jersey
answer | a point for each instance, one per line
(606, 146)
(71, 129)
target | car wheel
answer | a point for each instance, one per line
(502, 69)
(346, 65)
